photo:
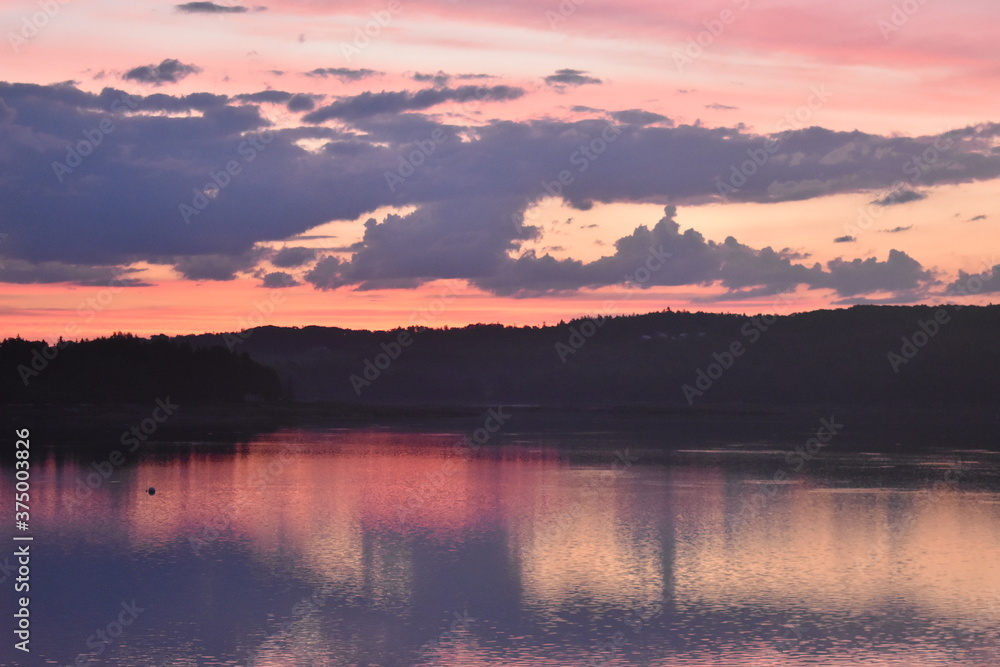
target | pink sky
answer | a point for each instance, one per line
(886, 70)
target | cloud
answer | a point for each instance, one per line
(371, 104)
(326, 274)
(215, 266)
(170, 70)
(844, 239)
(570, 77)
(213, 8)
(293, 256)
(279, 279)
(123, 201)
(900, 196)
(460, 244)
(899, 272)
(640, 117)
(720, 107)
(23, 272)
(293, 102)
(440, 79)
(976, 218)
(266, 96)
(344, 73)
(301, 102)
(454, 242)
(897, 230)
(987, 282)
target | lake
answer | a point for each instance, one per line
(389, 547)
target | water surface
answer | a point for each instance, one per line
(370, 547)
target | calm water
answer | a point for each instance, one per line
(382, 548)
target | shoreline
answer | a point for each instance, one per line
(877, 428)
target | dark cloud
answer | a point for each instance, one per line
(570, 77)
(579, 108)
(897, 230)
(968, 284)
(720, 107)
(212, 8)
(294, 256)
(279, 279)
(326, 274)
(899, 272)
(467, 246)
(22, 272)
(344, 73)
(371, 104)
(844, 239)
(440, 79)
(794, 254)
(160, 102)
(294, 102)
(265, 96)
(900, 196)
(977, 217)
(301, 102)
(640, 117)
(170, 70)
(215, 266)
(453, 243)
(123, 202)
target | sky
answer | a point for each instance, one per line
(206, 167)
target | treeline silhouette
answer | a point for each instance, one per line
(864, 355)
(943, 356)
(123, 368)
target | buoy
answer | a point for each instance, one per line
(151, 491)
